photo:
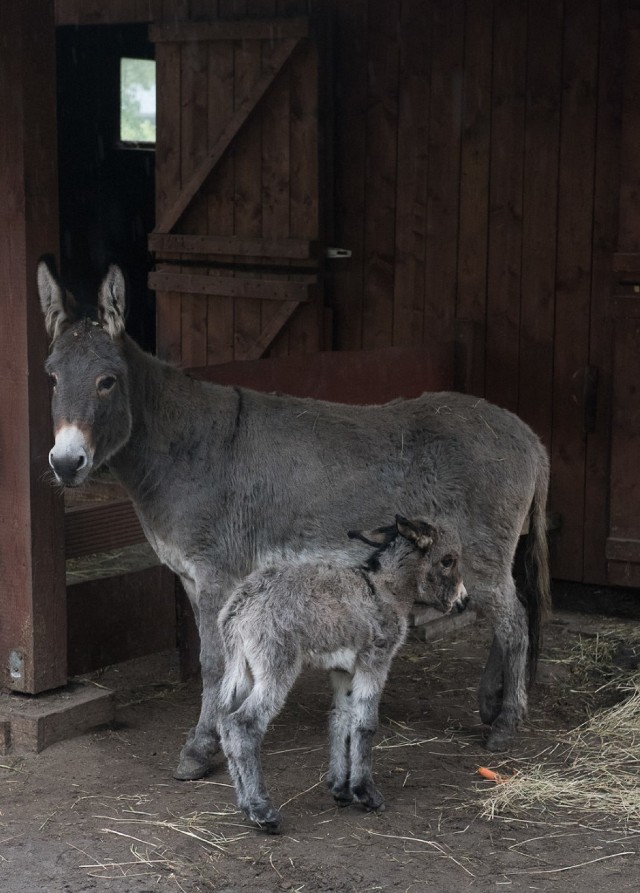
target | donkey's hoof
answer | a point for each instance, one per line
(490, 708)
(499, 740)
(190, 769)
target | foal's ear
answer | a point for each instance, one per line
(421, 534)
(381, 536)
(58, 305)
(111, 302)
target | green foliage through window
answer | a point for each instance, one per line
(137, 100)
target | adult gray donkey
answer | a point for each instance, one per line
(225, 479)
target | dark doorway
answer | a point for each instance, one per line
(106, 185)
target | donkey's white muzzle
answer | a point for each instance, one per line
(70, 457)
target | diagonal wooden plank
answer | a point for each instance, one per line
(258, 347)
(241, 115)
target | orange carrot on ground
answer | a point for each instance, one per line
(492, 775)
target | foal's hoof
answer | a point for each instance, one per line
(268, 820)
(370, 797)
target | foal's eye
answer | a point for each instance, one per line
(448, 561)
(105, 384)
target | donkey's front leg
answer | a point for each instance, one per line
(196, 757)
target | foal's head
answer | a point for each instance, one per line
(88, 373)
(433, 563)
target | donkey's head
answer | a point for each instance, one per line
(86, 366)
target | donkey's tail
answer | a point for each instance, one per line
(538, 586)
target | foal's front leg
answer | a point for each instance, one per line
(366, 693)
(338, 777)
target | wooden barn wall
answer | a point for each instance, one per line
(475, 159)
(477, 166)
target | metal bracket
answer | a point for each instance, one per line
(338, 253)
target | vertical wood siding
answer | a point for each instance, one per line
(476, 170)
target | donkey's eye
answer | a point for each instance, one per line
(53, 379)
(105, 384)
(448, 561)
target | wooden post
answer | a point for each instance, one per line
(33, 623)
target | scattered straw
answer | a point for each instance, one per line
(595, 768)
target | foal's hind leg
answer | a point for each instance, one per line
(339, 775)
(241, 734)
(507, 662)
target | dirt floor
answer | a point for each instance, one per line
(102, 812)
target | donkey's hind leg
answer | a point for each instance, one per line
(506, 668)
(490, 691)
(338, 778)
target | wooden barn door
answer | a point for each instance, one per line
(237, 186)
(623, 543)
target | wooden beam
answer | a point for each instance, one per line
(242, 114)
(234, 287)
(266, 337)
(33, 628)
(289, 249)
(244, 29)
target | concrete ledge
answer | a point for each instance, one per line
(31, 724)
(429, 624)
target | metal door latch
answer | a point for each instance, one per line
(337, 253)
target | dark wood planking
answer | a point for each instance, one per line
(358, 376)
(381, 162)
(194, 147)
(220, 192)
(413, 152)
(607, 183)
(168, 114)
(505, 225)
(575, 238)
(248, 183)
(246, 28)
(471, 302)
(624, 521)
(444, 178)
(539, 233)
(243, 112)
(276, 188)
(113, 621)
(240, 286)
(266, 248)
(31, 536)
(347, 277)
(305, 328)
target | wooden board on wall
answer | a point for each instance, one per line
(237, 160)
(33, 630)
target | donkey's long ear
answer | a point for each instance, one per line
(111, 302)
(58, 305)
(381, 536)
(420, 533)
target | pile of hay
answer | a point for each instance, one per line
(595, 768)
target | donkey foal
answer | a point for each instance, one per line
(349, 620)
